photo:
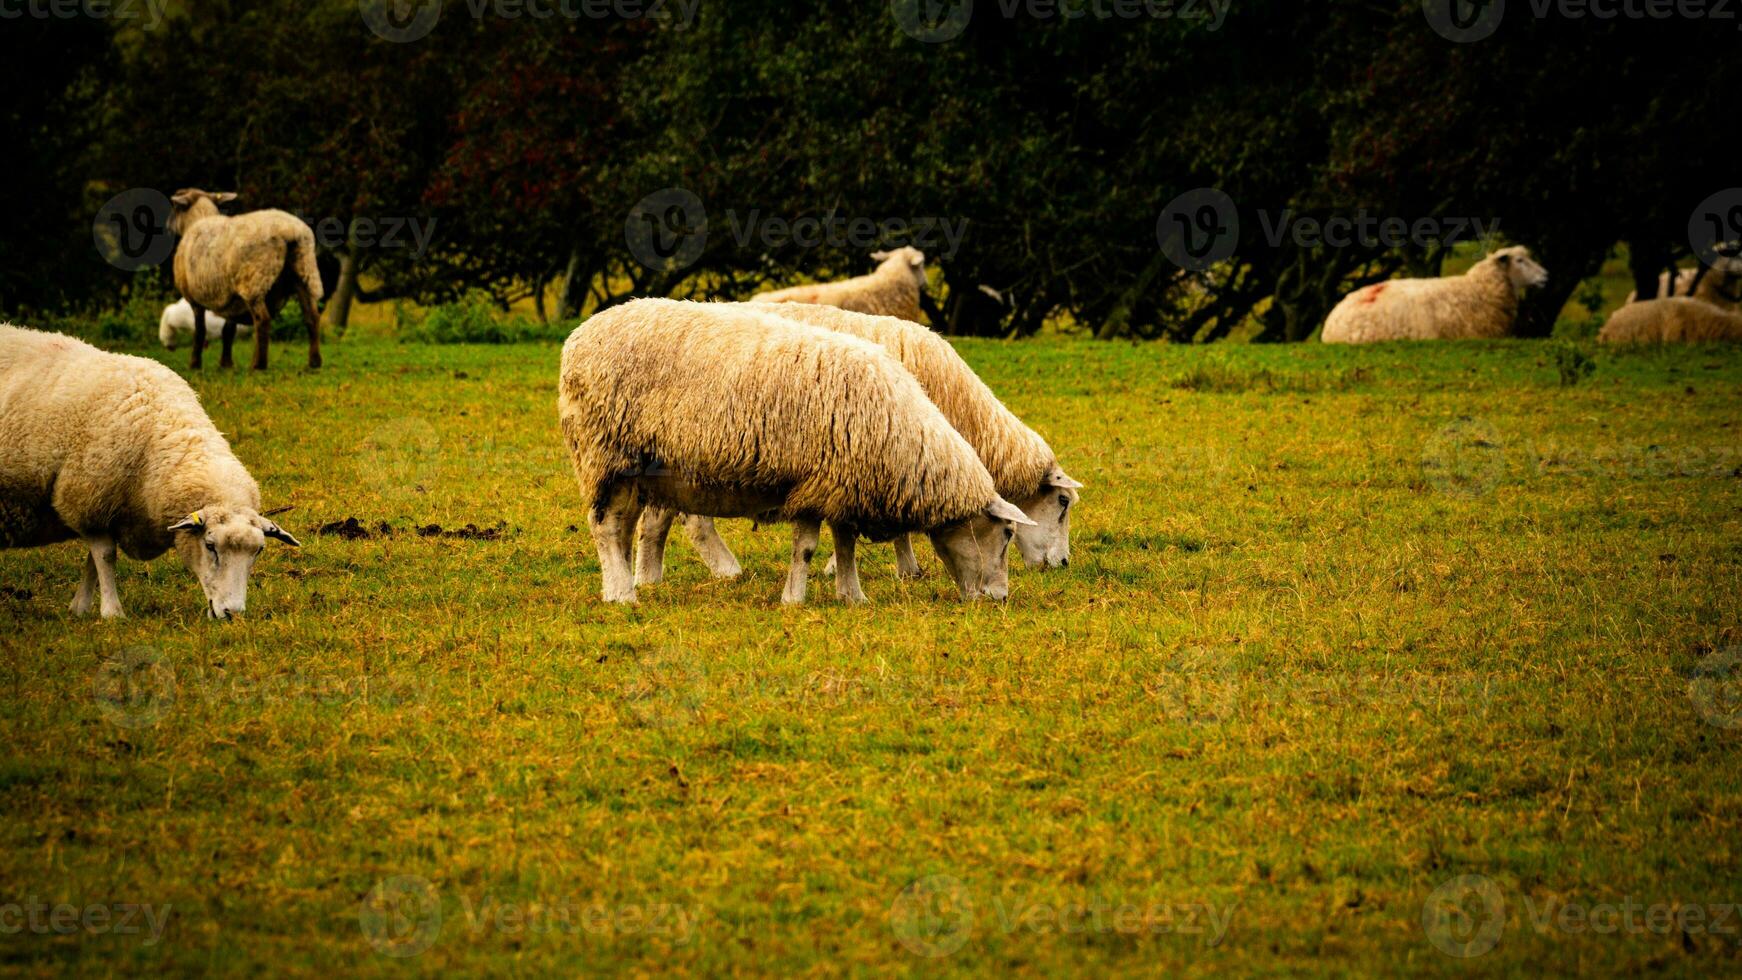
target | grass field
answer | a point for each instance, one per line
(1365, 658)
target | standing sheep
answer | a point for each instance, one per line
(1481, 303)
(731, 412)
(1721, 285)
(1678, 319)
(1022, 465)
(116, 451)
(244, 266)
(178, 321)
(893, 290)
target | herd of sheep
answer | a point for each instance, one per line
(821, 404)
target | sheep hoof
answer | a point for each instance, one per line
(314, 362)
(910, 574)
(855, 599)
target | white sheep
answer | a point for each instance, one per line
(1481, 303)
(892, 290)
(1721, 285)
(1677, 319)
(244, 266)
(1024, 469)
(732, 412)
(177, 321)
(116, 451)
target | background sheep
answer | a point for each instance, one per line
(177, 321)
(893, 290)
(116, 451)
(244, 266)
(1721, 285)
(680, 405)
(1481, 303)
(1678, 319)
(1023, 467)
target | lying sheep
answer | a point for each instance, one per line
(244, 266)
(1678, 319)
(1481, 303)
(177, 321)
(732, 412)
(1721, 285)
(116, 451)
(1022, 465)
(893, 290)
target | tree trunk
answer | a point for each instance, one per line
(573, 295)
(538, 286)
(1646, 260)
(339, 306)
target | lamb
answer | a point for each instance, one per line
(178, 320)
(1481, 303)
(733, 412)
(244, 266)
(116, 451)
(1677, 319)
(1721, 285)
(1023, 467)
(893, 290)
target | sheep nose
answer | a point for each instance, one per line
(1064, 563)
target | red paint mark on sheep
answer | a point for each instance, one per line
(1371, 293)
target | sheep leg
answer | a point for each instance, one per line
(262, 333)
(198, 360)
(103, 562)
(612, 521)
(312, 317)
(650, 544)
(906, 563)
(804, 548)
(229, 338)
(846, 566)
(87, 588)
(719, 558)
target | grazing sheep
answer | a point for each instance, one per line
(1721, 285)
(1678, 319)
(727, 411)
(893, 290)
(1481, 303)
(244, 266)
(116, 451)
(1022, 465)
(178, 321)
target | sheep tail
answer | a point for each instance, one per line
(301, 258)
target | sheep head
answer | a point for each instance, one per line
(976, 551)
(190, 204)
(1520, 269)
(1047, 542)
(906, 257)
(219, 545)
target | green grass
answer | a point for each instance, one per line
(1341, 625)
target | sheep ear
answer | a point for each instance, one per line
(192, 522)
(1003, 510)
(184, 198)
(880, 256)
(1058, 479)
(226, 197)
(917, 258)
(278, 534)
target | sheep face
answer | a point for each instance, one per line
(908, 256)
(219, 546)
(1047, 542)
(1521, 270)
(976, 551)
(191, 203)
